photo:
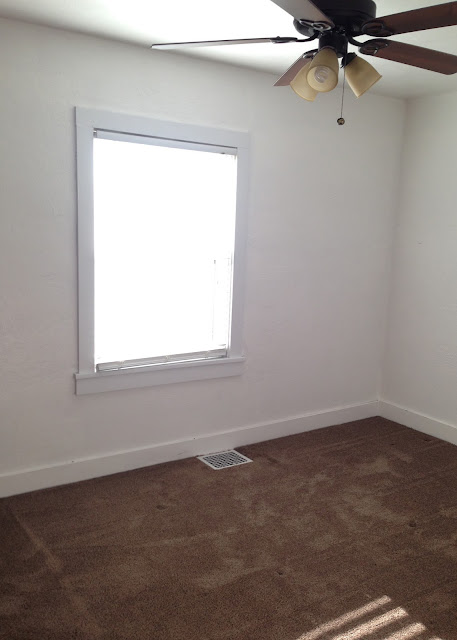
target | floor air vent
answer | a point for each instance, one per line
(224, 459)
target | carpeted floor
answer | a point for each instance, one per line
(345, 533)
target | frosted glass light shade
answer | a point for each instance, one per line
(361, 76)
(301, 87)
(323, 71)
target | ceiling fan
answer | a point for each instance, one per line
(336, 24)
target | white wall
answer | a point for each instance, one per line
(420, 371)
(321, 210)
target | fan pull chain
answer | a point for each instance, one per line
(341, 120)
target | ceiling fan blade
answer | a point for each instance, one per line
(409, 54)
(304, 10)
(292, 71)
(215, 43)
(441, 15)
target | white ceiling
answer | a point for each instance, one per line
(146, 21)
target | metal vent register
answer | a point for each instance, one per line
(224, 459)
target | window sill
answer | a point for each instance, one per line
(151, 376)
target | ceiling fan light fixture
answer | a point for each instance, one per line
(301, 86)
(360, 74)
(322, 73)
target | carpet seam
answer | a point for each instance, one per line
(55, 566)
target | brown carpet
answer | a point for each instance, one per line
(344, 533)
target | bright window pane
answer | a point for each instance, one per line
(164, 237)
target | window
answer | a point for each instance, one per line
(161, 235)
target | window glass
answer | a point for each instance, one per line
(164, 221)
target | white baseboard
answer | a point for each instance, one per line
(21, 481)
(418, 421)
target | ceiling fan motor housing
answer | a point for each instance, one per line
(349, 15)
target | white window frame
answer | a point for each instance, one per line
(120, 126)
